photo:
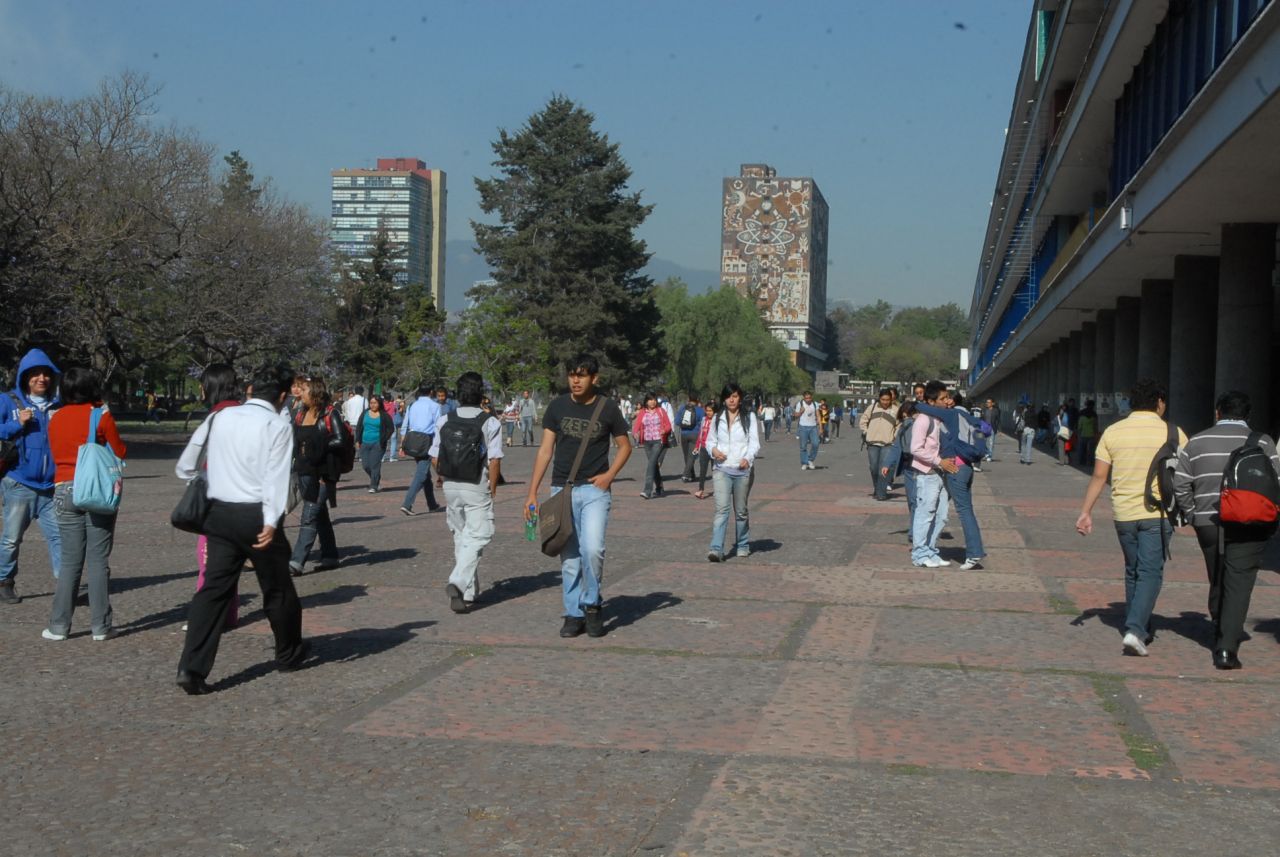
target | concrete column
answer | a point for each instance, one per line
(1075, 343)
(1125, 357)
(1245, 310)
(1153, 330)
(1104, 381)
(1194, 332)
(1040, 391)
(1088, 351)
(1060, 383)
(1055, 361)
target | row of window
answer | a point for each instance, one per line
(377, 195)
(370, 181)
(1189, 45)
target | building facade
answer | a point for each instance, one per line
(1133, 224)
(773, 249)
(407, 199)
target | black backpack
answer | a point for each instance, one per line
(462, 454)
(1161, 473)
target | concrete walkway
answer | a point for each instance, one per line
(819, 697)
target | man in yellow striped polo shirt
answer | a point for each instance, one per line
(1125, 453)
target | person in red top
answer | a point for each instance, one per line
(86, 536)
(700, 451)
(652, 427)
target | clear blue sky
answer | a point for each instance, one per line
(896, 110)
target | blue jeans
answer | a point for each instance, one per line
(21, 506)
(991, 444)
(315, 522)
(1028, 439)
(1143, 545)
(930, 516)
(732, 493)
(808, 443)
(392, 447)
(582, 561)
(526, 431)
(960, 487)
(909, 474)
(877, 458)
(421, 482)
(652, 473)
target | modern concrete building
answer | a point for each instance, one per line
(406, 199)
(773, 249)
(1133, 224)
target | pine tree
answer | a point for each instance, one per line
(564, 251)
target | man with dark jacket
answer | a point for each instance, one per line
(1233, 553)
(28, 466)
(991, 415)
(689, 423)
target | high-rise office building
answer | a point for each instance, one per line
(408, 200)
(773, 249)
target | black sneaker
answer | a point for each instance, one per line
(456, 603)
(573, 626)
(7, 595)
(595, 622)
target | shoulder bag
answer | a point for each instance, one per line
(190, 513)
(555, 515)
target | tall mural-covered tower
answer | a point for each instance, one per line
(773, 249)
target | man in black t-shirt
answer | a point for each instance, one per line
(564, 428)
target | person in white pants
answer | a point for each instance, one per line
(464, 455)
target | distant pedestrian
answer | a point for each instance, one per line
(962, 446)
(467, 451)
(393, 406)
(373, 430)
(787, 417)
(1086, 434)
(318, 430)
(87, 537)
(528, 413)
(702, 451)
(421, 418)
(806, 414)
(734, 441)
(767, 415)
(931, 490)
(879, 424)
(510, 419)
(1126, 452)
(837, 417)
(651, 430)
(249, 454)
(991, 414)
(1062, 434)
(566, 426)
(1024, 426)
(898, 456)
(221, 390)
(689, 424)
(353, 407)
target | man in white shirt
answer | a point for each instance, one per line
(806, 412)
(470, 483)
(248, 463)
(354, 406)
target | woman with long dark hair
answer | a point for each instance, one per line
(87, 537)
(220, 390)
(700, 450)
(373, 431)
(318, 469)
(734, 442)
(651, 429)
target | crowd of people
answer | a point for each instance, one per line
(281, 441)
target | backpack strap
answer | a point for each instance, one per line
(94, 416)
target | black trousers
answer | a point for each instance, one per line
(232, 528)
(1231, 585)
(686, 447)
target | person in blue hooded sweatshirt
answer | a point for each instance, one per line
(962, 441)
(28, 469)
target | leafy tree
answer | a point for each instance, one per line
(719, 336)
(492, 338)
(366, 311)
(875, 341)
(564, 252)
(238, 189)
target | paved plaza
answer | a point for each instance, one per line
(821, 697)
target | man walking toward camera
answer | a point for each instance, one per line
(564, 431)
(248, 461)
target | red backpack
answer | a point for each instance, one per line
(1250, 487)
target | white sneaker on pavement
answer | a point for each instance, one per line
(1134, 646)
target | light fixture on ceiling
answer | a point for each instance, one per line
(1126, 213)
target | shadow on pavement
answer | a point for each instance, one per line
(765, 546)
(1268, 626)
(342, 647)
(511, 588)
(357, 519)
(1192, 625)
(361, 555)
(624, 610)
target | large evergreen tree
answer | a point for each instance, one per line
(564, 251)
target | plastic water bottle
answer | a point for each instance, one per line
(531, 524)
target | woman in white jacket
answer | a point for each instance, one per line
(734, 442)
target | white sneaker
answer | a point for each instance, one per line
(804, 467)
(970, 564)
(936, 562)
(107, 636)
(1133, 645)
(49, 635)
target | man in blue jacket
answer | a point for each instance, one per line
(689, 422)
(28, 469)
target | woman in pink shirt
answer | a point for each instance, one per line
(651, 428)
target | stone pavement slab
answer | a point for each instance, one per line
(819, 697)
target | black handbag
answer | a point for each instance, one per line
(555, 514)
(192, 510)
(416, 444)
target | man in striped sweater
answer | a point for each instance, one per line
(1197, 486)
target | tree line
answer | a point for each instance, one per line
(132, 247)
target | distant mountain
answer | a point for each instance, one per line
(463, 266)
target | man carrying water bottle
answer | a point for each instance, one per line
(467, 449)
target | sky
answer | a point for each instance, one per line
(897, 108)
